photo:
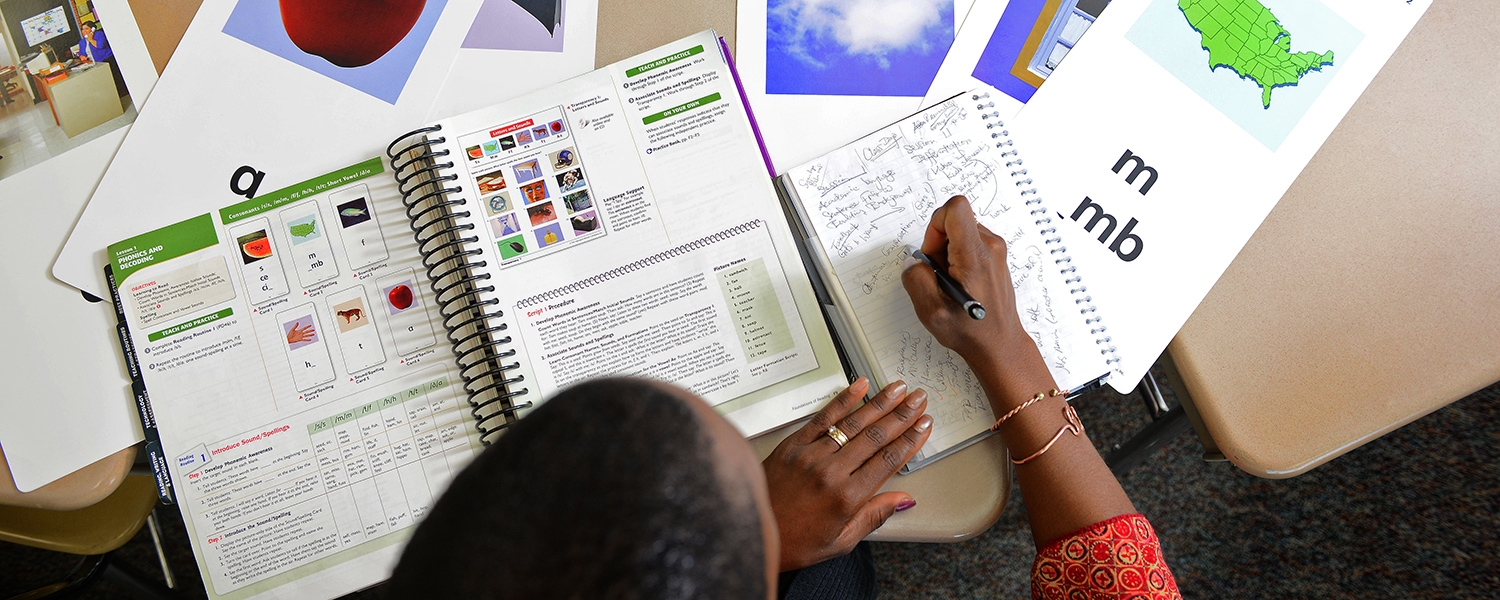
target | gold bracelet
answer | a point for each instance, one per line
(1034, 399)
(1074, 426)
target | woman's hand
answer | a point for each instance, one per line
(976, 258)
(823, 495)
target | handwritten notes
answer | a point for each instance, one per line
(871, 199)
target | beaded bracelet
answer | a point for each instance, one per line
(1074, 426)
(1034, 399)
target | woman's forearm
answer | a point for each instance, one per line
(1068, 487)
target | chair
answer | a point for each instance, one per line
(94, 532)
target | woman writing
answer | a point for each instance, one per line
(629, 488)
(1089, 536)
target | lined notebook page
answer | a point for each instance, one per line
(867, 201)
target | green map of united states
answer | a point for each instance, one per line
(1245, 37)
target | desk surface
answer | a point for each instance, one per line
(84, 487)
(1368, 297)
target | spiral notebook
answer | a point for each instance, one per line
(858, 209)
(322, 359)
(851, 214)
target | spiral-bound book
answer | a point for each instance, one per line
(322, 359)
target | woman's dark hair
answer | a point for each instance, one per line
(91, 25)
(608, 490)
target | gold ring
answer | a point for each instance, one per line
(837, 435)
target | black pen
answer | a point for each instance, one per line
(951, 287)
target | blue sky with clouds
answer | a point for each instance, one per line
(856, 47)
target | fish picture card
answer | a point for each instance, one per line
(1172, 130)
(358, 229)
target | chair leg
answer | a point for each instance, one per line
(128, 578)
(1156, 404)
(161, 554)
(88, 569)
(1150, 439)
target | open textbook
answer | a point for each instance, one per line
(314, 365)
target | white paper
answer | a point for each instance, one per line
(228, 109)
(69, 401)
(483, 76)
(956, 74)
(82, 419)
(1140, 82)
(800, 127)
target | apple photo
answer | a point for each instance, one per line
(400, 297)
(370, 45)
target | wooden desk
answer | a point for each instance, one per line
(1371, 294)
(958, 497)
(84, 99)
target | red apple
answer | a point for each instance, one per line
(349, 33)
(400, 297)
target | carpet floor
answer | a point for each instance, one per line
(1410, 515)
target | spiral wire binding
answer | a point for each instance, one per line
(1059, 252)
(434, 207)
(664, 255)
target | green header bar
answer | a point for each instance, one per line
(681, 108)
(374, 407)
(198, 322)
(659, 63)
(161, 245)
(301, 191)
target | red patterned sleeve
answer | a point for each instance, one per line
(1116, 558)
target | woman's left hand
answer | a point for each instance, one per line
(823, 493)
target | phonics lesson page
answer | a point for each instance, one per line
(305, 398)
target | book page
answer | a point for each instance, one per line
(630, 227)
(868, 201)
(308, 407)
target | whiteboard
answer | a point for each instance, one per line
(45, 26)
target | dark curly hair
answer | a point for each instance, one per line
(609, 490)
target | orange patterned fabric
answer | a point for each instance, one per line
(1119, 558)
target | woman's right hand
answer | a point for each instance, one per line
(977, 259)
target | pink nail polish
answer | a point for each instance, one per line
(906, 504)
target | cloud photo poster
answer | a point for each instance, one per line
(821, 73)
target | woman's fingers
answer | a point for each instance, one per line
(927, 298)
(841, 404)
(879, 468)
(872, 515)
(875, 436)
(889, 398)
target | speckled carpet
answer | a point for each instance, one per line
(1411, 515)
